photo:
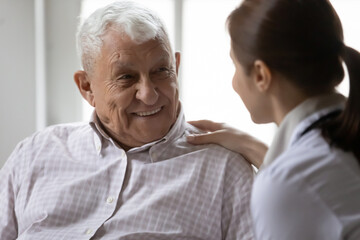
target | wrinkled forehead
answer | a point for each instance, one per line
(131, 61)
(115, 42)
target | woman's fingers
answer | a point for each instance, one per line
(204, 138)
(252, 149)
(207, 125)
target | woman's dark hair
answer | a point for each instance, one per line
(303, 41)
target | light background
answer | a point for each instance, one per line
(206, 68)
(38, 59)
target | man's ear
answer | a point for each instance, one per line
(262, 75)
(83, 83)
(177, 59)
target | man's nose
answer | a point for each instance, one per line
(147, 91)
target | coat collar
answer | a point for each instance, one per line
(299, 118)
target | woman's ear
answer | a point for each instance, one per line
(84, 85)
(262, 75)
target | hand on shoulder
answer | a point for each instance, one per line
(231, 138)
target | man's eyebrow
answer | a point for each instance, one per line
(119, 64)
(162, 58)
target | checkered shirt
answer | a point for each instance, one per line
(71, 181)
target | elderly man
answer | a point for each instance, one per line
(129, 173)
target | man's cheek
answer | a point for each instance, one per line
(121, 118)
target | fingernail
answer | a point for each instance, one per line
(190, 138)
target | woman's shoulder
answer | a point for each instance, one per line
(289, 210)
(312, 158)
(319, 175)
(315, 166)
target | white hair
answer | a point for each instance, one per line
(137, 22)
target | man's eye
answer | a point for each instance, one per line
(125, 76)
(162, 69)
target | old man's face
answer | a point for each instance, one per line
(134, 88)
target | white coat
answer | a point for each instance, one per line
(307, 189)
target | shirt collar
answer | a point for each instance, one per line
(100, 135)
(309, 110)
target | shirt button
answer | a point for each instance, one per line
(109, 199)
(89, 231)
(98, 148)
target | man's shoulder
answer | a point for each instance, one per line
(67, 128)
(217, 152)
(48, 141)
(63, 131)
(214, 148)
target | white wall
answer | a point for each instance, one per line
(21, 111)
(17, 73)
(18, 106)
(63, 98)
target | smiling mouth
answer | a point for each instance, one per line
(148, 113)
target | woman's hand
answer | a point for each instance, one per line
(233, 139)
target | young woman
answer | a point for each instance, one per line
(288, 56)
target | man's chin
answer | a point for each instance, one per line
(153, 134)
(152, 138)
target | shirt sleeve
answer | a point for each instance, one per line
(236, 217)
(287, 209)
(8, 222)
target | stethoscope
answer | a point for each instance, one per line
(322, 120)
